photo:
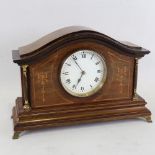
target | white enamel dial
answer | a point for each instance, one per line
(83, 73)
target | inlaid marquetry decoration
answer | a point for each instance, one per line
(77, 75)
(42, 80)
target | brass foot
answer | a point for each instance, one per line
(148, 119)
(16, 135)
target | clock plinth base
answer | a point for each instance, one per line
(77, 114)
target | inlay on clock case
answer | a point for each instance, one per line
(44, 101)
(45, 73)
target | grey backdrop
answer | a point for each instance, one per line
(22, 22)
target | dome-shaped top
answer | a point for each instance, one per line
(67, 34)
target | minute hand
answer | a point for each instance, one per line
(77, 65)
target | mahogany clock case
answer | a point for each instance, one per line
(44, 101)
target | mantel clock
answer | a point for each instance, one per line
(77, 75)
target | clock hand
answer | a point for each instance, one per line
(79, 80)
(77, 64)
(82, 73)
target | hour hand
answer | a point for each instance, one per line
(82, 73)
(78, 81)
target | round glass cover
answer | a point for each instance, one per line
(83, 73)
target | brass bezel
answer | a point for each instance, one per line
(95, 90)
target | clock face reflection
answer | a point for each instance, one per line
(83, 73)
